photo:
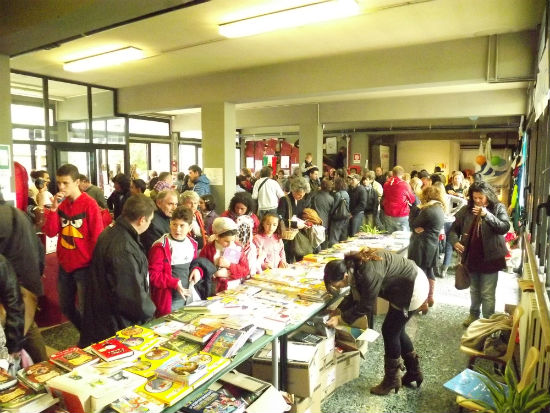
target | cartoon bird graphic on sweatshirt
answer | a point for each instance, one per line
(71, 229)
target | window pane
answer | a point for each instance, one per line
(237, 160)
(69, 115)
(105, 127)
(149, 127)
(22, 154)
(187, 157)
(138, 160)
(160, 157)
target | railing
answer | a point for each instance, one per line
(535, 327)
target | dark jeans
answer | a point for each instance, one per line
(355, 223)
(70, 285)
(448, 246)
(396, 340)
(338, 231)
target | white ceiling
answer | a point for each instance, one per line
(185, 42)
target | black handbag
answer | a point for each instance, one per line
(341, 211)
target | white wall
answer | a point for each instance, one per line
(425, 154)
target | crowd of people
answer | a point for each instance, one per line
(151, 248)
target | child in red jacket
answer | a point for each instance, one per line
(171, 271)
(226, 254)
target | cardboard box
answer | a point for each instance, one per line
(270, 400)
(325, 347)
(302, 376)
(347, 367)
(310, 404)
(349, 338)
(327, 380)
(382, 306)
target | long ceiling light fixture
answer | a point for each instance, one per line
(112, 58)
(295, 17)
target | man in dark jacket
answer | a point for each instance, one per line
(117, 294)
(357, 203)
(10, 298)
(323, 202)
(167, 202)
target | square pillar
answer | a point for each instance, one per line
(7, 183)
(218, 150)
(311, 138)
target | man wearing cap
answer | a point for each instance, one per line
(357, 203)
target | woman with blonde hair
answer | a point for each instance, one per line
(426, 223)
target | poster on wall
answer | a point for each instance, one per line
(215, 175)
(331, 145)
(250, 162)
(258, 164)
(357, 158)
(5, 172)
(285, 162)
(385, 157)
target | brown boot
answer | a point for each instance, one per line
(431, 293)
(413, 370)
(392, 377)
(424, 308)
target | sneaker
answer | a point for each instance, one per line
(471, 318)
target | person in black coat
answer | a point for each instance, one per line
(291, 205)
(10, 298)
(117, 291)
(116, 200)
(486, 247)
(166, 202)
(322, 201)
(371, 274)
(357, 203)
(426, 222)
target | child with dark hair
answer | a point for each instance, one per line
(271, 250)
(207, 206)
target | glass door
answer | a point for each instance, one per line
(110, 162)
(80, 158)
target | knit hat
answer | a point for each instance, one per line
(222, 225)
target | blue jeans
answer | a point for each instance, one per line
(355, 223)
(448, 245)
(392, 224)
(482, 293)
(70, 285)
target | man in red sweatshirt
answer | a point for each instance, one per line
(75, 217)
(396, 201)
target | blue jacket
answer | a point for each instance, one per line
(202, 185)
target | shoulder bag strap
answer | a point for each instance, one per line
(466, 240)
(262, 184)
(289, 210)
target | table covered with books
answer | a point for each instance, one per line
(187, 358)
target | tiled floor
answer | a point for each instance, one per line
(436, 337)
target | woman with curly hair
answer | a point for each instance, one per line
(486, 246)
(426, 222)
(370, 274)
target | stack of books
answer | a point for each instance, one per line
(227, 341)
(73, 357)
(38, 374)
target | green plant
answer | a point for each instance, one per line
(506, 396)
(371, 229)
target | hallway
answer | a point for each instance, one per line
(436, 337)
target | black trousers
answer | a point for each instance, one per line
(396, 340)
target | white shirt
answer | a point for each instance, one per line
(182, 251)
(268, 196)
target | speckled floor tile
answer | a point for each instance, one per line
(436, 337)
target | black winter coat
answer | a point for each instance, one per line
(392, 278)
(323, 203)
(10, 298)
(160, 225)
(424, 246)
(493, 228)
(357, 199)
(117, 290)
(296, 206)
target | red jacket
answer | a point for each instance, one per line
(78, 224)
(160, 274)
(236, 271)
(397, 197)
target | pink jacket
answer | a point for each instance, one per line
(236, 271)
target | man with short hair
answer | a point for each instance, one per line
(357, 203)
(267, 191)
(117, 292)
(312, 176)
(397, 199)
(425, 178)
(76, 219)
(380, 175)
(94, 191)
(201, 183)
(166, 202)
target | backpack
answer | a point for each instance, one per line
(372, 200)
(341, 211)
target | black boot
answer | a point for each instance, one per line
(392, 377)
(413, 370)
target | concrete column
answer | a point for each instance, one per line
(218, 150)
(359, 144)
(311, 137)
(7, 183)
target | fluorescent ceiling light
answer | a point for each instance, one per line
(114, 57)
(299, 16)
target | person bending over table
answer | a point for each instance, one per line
(376, 273)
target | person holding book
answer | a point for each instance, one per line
(117, 290)
(271, 250)
(371, 274)
(173, 271)
(226, 254)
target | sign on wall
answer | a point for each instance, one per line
(357, 158)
